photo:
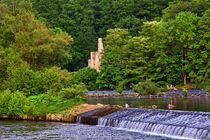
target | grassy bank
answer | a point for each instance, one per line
(18, 104)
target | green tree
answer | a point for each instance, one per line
(200, 52)
(112, 68)
(76, 17)
(86, 76)
(37, 44)
(182, 31)
(135, 59)
(86, 20)
(195, 6)
(16, 6)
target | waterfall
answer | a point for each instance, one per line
(179, 124)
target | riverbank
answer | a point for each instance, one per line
(70, 115)
(154, 122)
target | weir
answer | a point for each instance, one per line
(176, 124)
(92, 116)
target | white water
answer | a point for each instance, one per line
(178, 124)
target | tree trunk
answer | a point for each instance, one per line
(184, 58)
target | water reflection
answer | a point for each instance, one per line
(175, 103)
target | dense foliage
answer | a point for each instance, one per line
(170, 51)
(148, 44)
(86, 20)
(86, 76)
(165, 41)
(32, 58)
(146, 87)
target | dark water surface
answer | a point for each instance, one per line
(20, 130)
(196, 103)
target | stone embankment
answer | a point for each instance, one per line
(71, 115)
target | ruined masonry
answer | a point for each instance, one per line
(94, 61)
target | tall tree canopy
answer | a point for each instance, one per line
(86, 20)
(27, 43)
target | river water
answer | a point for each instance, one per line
(188, 104)
(22, 130)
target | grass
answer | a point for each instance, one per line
(45, 104)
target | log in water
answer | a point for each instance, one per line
(177, 124)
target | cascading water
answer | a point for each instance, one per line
(179, 124)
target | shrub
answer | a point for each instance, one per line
(74, 91)
(146, 87)
(203, 85)
(46, 103)
(122, 85)
(25, 80)
(14, 104)
(184, 92)
(37, 82)
(17, 104)
(42, 103)
(5, 98)
(55, 79)
(86, 76)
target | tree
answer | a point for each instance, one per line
(16, 6)
(86, 20)
(195, 6)
(200, 51)
(37, 44)
(76, 17)
(112, 68)
(182, 30)
(135, 59)
(86, 76)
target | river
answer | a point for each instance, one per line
(196, 103)
(23, 130)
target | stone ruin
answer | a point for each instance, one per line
(95, 57)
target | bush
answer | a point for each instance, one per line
(14, 104)
(74, 91)
(86, 76)
(55, 79)
(25, 80)
(37, 82)
(46, 103)
(203, 85)
(146, 87)
(184, 92)
(5, 98)
(42, 103)
(122, 85)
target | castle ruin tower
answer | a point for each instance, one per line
(95, 57)
(100, 46)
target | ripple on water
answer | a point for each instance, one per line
(43, 130)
